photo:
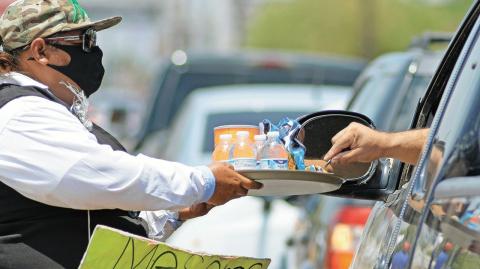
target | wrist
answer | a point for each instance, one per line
(209, 183)
(388, 144)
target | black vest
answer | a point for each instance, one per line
(36, 235)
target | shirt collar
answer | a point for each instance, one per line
(19, 79)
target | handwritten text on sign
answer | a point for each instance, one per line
(114, 249)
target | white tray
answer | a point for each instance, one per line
(281, 183)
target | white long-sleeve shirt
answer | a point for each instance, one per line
(47, 155)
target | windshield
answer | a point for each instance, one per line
(372, 99)
(410, 101)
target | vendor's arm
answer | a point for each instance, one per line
(42, 138)
(359, 143)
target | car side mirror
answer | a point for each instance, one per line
(372, 181)
(362, 180)
(316, 135)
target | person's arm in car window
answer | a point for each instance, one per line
(359, 143)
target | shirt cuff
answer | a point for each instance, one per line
(161, 223)
(174, 220)
(209, 183)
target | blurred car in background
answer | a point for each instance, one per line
(388, 92)
(187, 72)
(118, 111)
(250, 226)
(398, 81)
(191, 137)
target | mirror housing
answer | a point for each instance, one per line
(372, 181)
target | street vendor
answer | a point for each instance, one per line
(60, 174)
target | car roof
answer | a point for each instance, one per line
(279, 96)
(274, 58)
(391, 63)
(394, 63)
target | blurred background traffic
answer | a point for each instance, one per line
(175, 69)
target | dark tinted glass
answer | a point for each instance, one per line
(455, 153)
(373, 98)
(410, 101)
(243, 118)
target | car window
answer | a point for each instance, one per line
(244, 118)
(451, 230)
(373, 95)
(454, 153)
(451, 235)
(406, 111)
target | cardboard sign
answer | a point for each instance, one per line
(114, 249)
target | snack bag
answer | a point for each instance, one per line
(288, 130)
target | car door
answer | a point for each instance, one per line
(448, 233)
(393, 227)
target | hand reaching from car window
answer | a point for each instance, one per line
(229, 184)
(359, 143)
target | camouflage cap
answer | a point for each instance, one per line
(25, 20)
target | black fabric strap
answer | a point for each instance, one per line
(11, 92)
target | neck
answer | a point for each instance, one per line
(54, 84)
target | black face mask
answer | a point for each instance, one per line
(85, 69)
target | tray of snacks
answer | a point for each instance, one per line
(288, 158)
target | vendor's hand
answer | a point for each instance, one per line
(229, 184)
(194, 211)
(356, 143)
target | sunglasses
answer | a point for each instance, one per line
(88, 38)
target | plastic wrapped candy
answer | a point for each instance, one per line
(315, 168)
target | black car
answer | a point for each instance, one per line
(428, 214)
(391, 86)
(387, 91)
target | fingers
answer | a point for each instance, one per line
(352, 156)
(241, 192)
(345, 157)
(341, 143)
(246, 182)
(249, 184)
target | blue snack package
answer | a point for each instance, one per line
(267, 126)
(288, 130)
